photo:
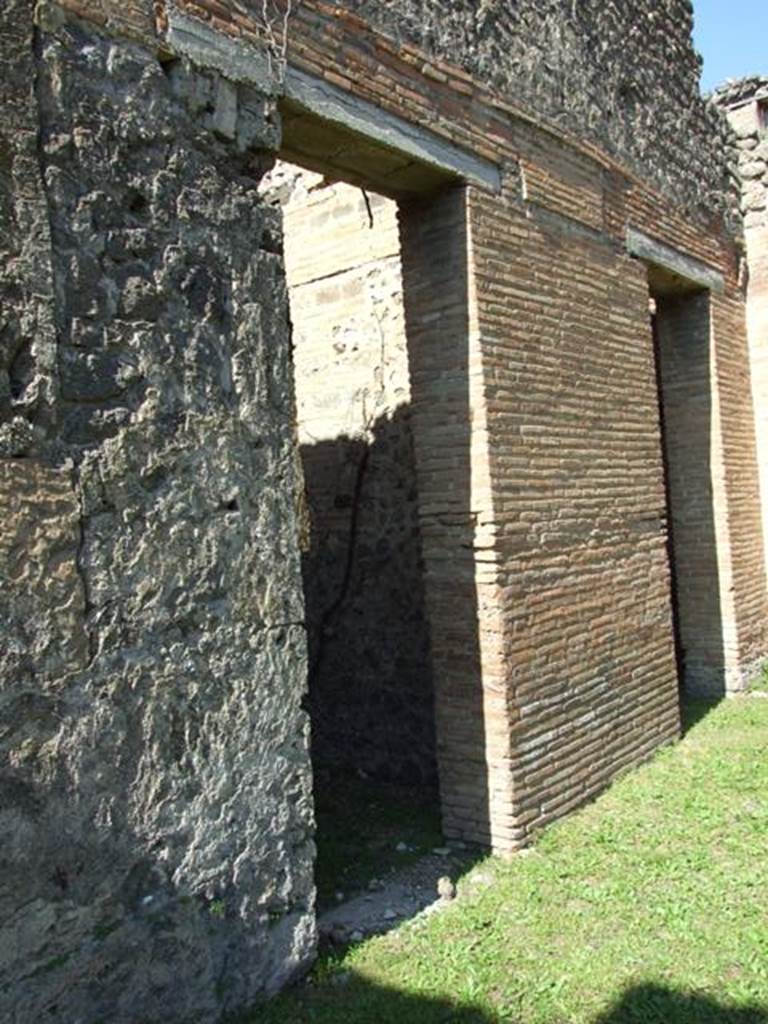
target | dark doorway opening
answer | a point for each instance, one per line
(680, 317)
(370, 688)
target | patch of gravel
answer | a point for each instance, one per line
(421, 888)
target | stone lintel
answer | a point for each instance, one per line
(691, 270)
(236, 59)
(240, 61)
(329, 103)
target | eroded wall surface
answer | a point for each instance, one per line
(155, 848)
(370, 675)
(624, 76)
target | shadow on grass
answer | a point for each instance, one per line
(655, 1004)
(694, 709)
(345, 998)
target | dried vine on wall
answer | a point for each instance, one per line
(274, 17)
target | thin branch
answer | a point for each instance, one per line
(276, 39)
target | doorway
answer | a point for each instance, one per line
(680, 319)
(370, 684)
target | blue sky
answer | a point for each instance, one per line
(732, 37)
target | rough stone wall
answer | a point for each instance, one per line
(156, 838)
(746, 105)
(27, 331)
(370, 681)
(623, 75)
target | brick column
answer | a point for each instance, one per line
(742, 445)
(713, 491)
(757, 329)
(746, 105)
(696, 495)
(455, 504)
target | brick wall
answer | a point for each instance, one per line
(455, 514)
(579, 505)
(685, 362)
(736, 493)
(623, 81)
(596, 69)
(746, 104)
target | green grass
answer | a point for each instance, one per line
(650, 906)
(760, 682)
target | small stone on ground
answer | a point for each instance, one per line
(424, 887)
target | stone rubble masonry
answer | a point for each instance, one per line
(156, 850)
(156, 842)
(746, 105)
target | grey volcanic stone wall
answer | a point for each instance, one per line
(623, 75)
(745, 103)
(156, 835)
(27, 331)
